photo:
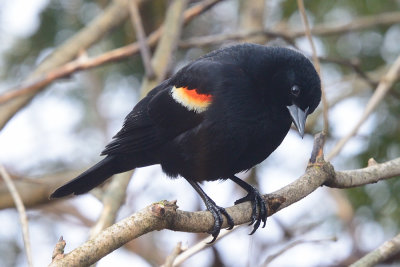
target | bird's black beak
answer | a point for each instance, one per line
(298, 117)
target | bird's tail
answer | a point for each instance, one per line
(88, 179)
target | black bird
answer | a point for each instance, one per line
(219, 115)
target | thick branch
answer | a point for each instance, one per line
(165, 215)
(34, 191)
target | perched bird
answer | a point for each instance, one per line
(219, 115)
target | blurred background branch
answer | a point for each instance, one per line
(78, 65)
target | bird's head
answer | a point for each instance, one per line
(296, 84)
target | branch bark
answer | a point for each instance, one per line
(368, 175)
(165, 215)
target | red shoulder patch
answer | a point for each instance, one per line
(191, 99)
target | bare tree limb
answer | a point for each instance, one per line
(325, 105)
(356, 24)
(34, 191)
(288, 35)
(167, 45)
(39, 81)
(252, 19)
(235, 36)
(165, 215)
(34, 85)
(385, 251)
(383, 87)
(371, 174)
(141, 37)
(21, 211)
(112, 16)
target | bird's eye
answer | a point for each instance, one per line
(295, 90)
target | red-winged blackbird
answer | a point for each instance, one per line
(219, 115)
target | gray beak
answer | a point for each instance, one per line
(299, 118)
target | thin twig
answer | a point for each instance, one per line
(141, 37)
(384, 252)
(216, 39)
(356, 24)
(167, 44)
(383, 87)
(205, 243)
(171, 257)
(317, 64)
(272, 257)
(58, 251)
(113, 15)
(21, 211)
(288, 35)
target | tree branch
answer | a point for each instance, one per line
(35, 191)
(317, 64)
(385, 251)
(166, 46)
(141, 37)
(272, 257)
(165, 215)
(288, 35)
(112, 16)
(34, 85)
(368, 175)
(21, 211)
(383, 87)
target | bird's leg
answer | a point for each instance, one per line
(215, 210)
(259, 210)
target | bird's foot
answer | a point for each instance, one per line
(217, 213)
(259, 210)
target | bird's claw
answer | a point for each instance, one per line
(259, 210)
(217, 213)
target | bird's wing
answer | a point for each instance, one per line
(170, 109)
